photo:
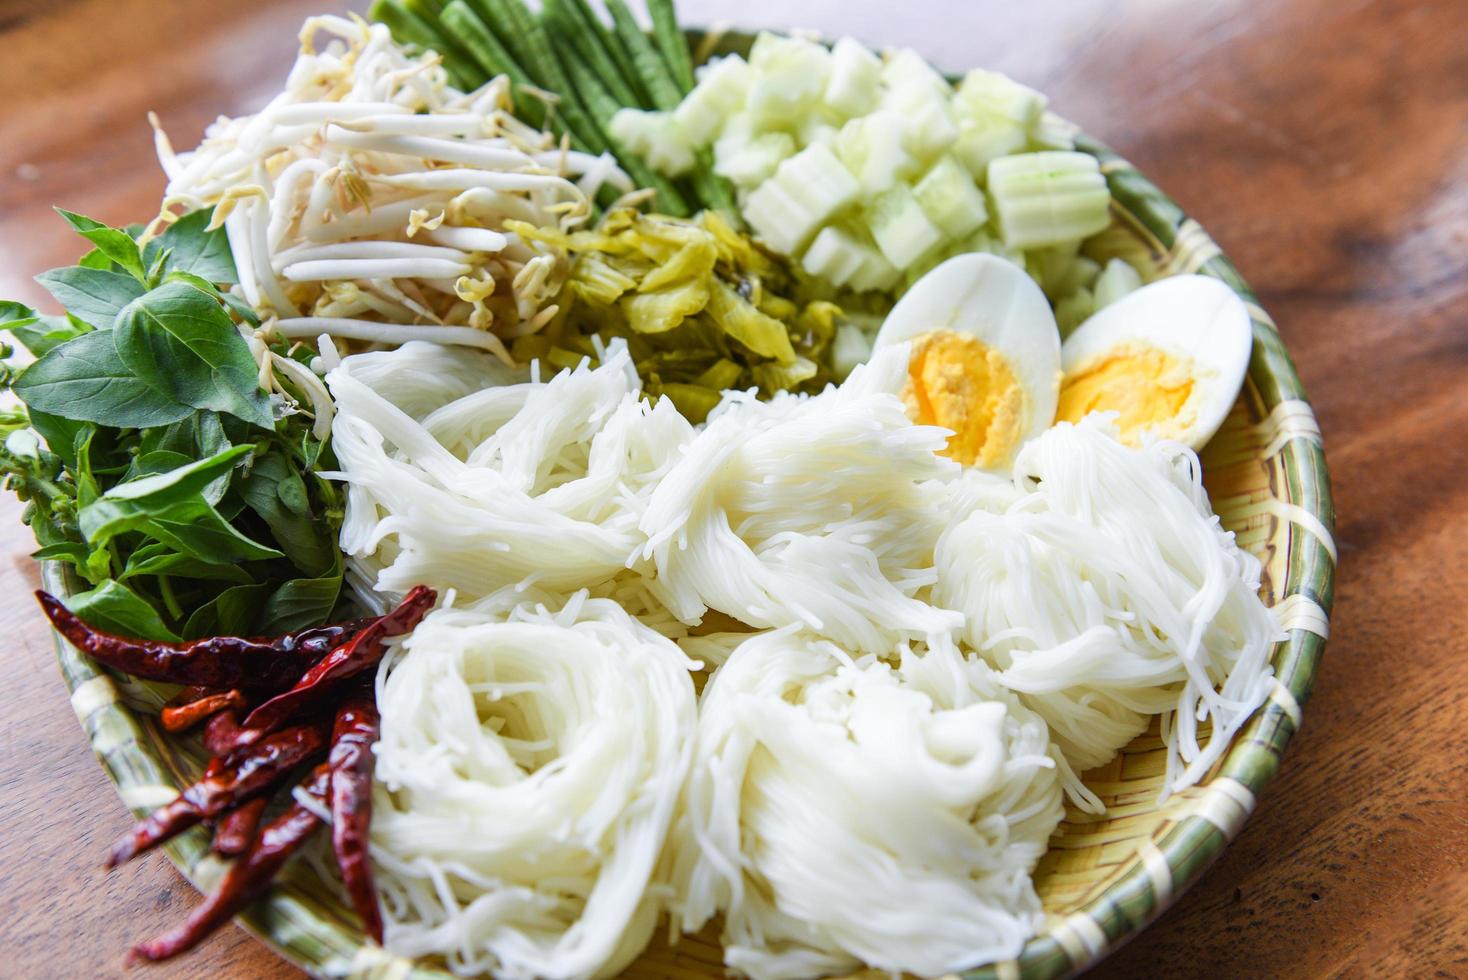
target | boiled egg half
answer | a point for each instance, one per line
(1169, 359)
(985, 359)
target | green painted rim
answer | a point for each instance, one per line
(305, 920)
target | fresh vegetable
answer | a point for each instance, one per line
(178, 484)
(701, 307)
(1048, 198)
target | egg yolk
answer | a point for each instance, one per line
(1150, 389)
(955, 381)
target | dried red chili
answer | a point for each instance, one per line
(351, 762)
(183, 716)
(247, 879)
(235, 831)
(217, 662)
(227, 782)
(361, 652)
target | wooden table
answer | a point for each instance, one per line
(1324, 144)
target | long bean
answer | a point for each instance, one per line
(652, 70)
(672, 42)
(574, 24)
(491, 55)
(410, 28)
(601, 103)
(501, 18)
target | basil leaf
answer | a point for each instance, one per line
(179, 339)
(301, 602)
(82, 379)
(197, 529)
(273, 489)
(157, 558)
(48, 333)
(128, 506)
(13, 314)
(93, 296)
(69, 551)
(60, 435)
(195, 249)
(114, 243)
(115, 608)
(234, 611)
(96, 260)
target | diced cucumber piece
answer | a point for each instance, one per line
(654, 136)
(951, 199)
(980, 142)
(1048, 198)
(816, 127)
(788, 75)
(1060, 269)
(1053, 133)
(908, 69)
(984, 94)
(1073, 310)
(1115, 281)
(871, 148)
(805, 191)
(901, 230)
(749, 161)
(928, 127)
(850, 347)
(721, 90)
(844, 258)
(855, 85)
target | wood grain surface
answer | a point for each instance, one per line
(1323, 143)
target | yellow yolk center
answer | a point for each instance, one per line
(953, 380)
(1149, 389)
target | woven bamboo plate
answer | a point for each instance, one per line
(1103, 879)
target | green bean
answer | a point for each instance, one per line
(492, 56)
(592, 22)
(553, 77)
(714, 191)
(651, 69)
(672, 42)
(409, 28)
(601, 103)
(503, 18)
(570, 23)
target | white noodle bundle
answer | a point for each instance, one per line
(486, 487)
(844, 812)
(821, 511)
(528, 771)
(1105, 591)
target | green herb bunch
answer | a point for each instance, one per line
(149, 456)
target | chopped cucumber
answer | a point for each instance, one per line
(656, 137)
(980, 142)
(951, 199)
(720, 92)
(1073, 310)
(789, 74)
(748, 161)
(908, 69)
(855, 84)
(871, 148)
(900, 228)
(987, 94)
(1053, 133)
(846, 259)
(1115, 281)
(805, 191)
(850, 347)
(928, 128)
(1048, 198)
